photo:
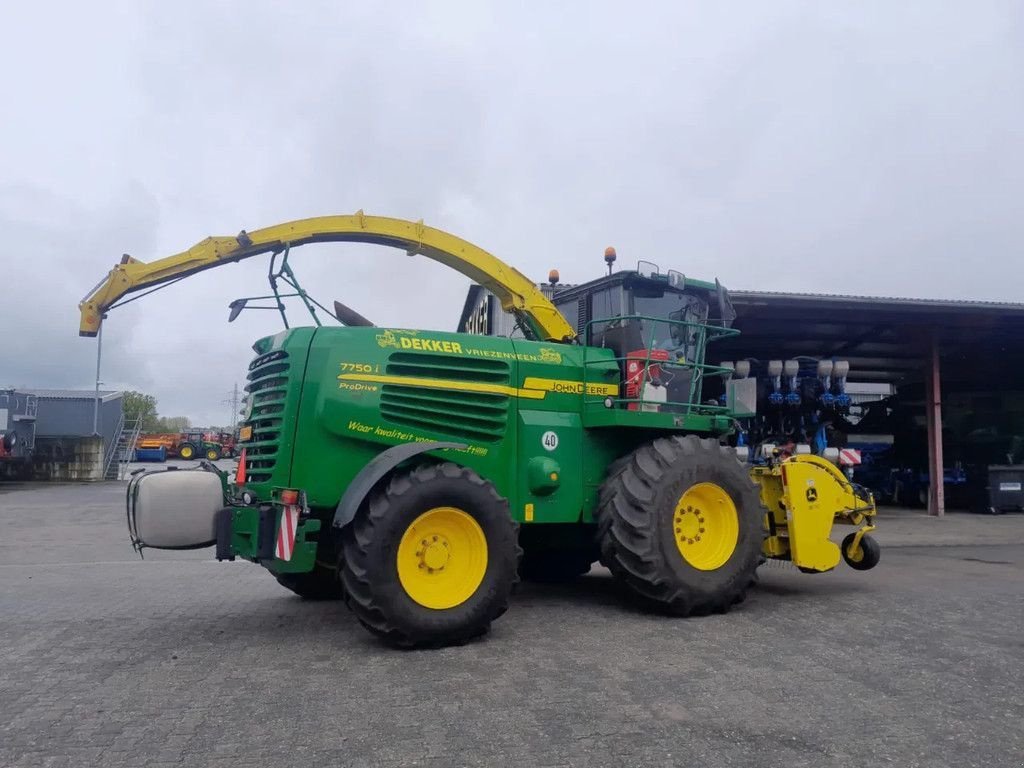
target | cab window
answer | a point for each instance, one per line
(671, 305)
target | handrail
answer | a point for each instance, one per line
(114, 446)
(129, 449)
(706, 334)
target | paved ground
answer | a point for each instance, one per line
(175, 660)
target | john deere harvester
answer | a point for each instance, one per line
(415, 473)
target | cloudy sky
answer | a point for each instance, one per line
(866, 148)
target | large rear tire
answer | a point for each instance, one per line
(186, 451)
(681, 524)
(431, 559)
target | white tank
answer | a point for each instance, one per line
(175, 509)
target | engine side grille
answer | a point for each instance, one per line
(267, 387)
(459, 413)
(462, 415)
(449, 367)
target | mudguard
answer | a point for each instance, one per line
(375, 471)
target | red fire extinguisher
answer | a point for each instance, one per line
(639, 372)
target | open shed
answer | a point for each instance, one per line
(931, 351)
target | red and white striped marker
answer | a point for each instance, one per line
(849, 457)
(286, 532)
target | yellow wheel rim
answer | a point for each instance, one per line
(442, 558)
(211, 455)
(706, 526)
(186, 452)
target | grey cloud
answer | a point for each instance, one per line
(862, 148)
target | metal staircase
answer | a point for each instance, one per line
(122, 449)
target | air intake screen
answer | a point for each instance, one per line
(268, 379)
(460, 410)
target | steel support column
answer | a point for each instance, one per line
(96, 402)
(933, 407)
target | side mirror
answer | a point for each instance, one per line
(236, 308)
(726, 312)
(646, 268)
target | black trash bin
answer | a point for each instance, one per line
(1005, 488)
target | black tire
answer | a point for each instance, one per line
(369, 569)
(187, 448)
(604, 522)
(635, 525)
(554, 566)
(321, 583)
(213, 454)
(871, 553)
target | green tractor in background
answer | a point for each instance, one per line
(415, 474)
(194, 444)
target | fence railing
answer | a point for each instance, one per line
(673, 348)
(121, 449)
(127, 452)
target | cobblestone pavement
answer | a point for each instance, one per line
(176, 660)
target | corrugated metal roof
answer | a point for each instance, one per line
(70, 394)
(1012, 306)
(891, 300)
(469, 305)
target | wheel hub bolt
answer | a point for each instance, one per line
(434, 554)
